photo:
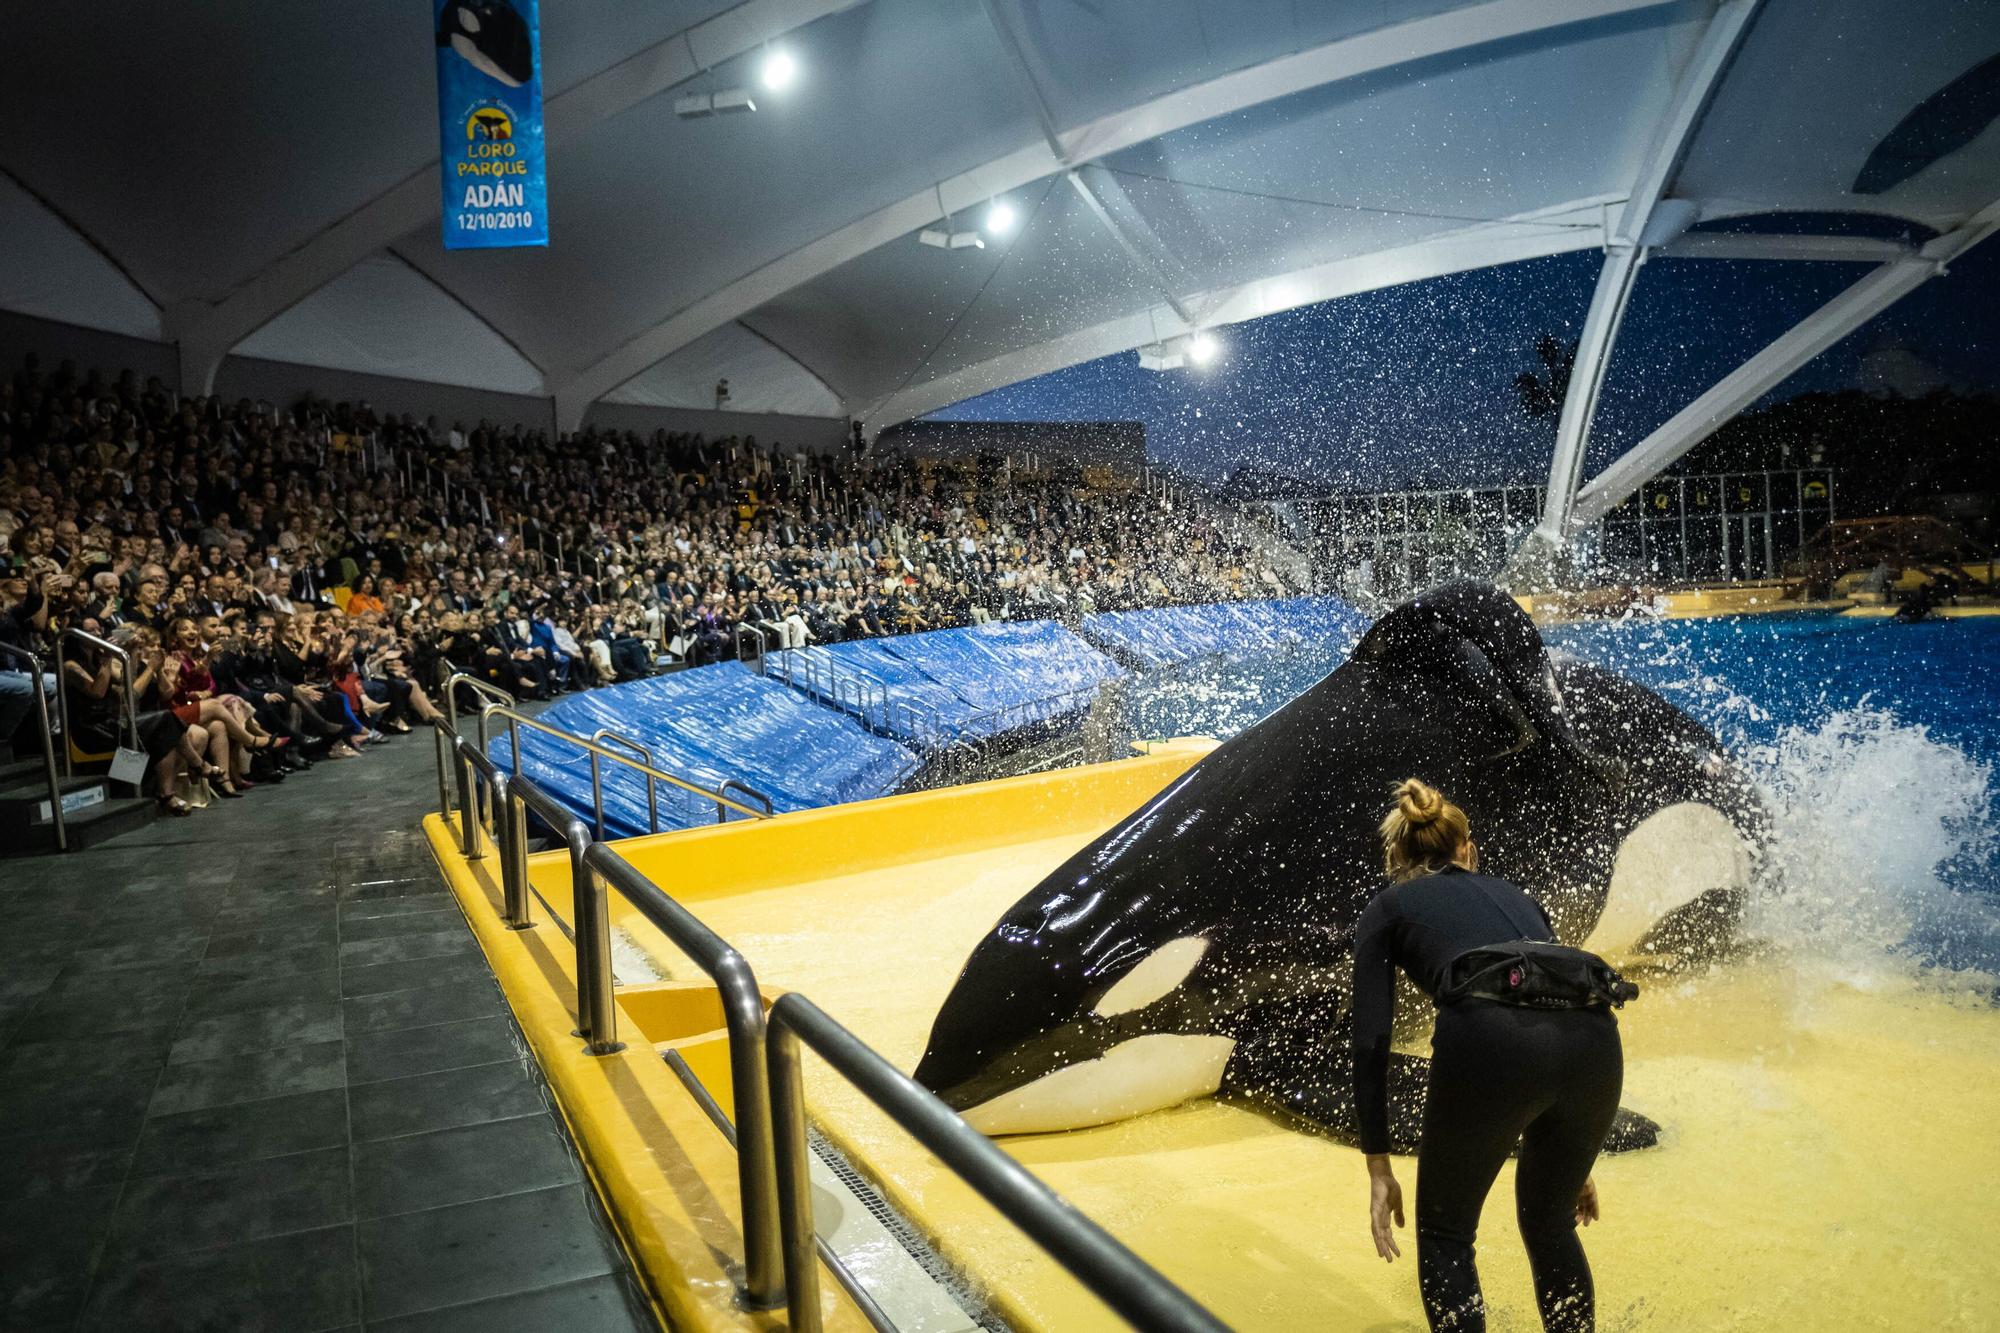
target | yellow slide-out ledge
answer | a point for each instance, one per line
(664, 1171)
(1827, 1136)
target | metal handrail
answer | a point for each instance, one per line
(605, 735)
(516, 719)
(35, 675)
(727, 785)
(594, 866)
(743, 1016)
(767, 1079)
(1133, 1288)
(484, 690)
(62, 692)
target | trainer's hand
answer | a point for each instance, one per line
(1586, 1203)
(1385, 1200)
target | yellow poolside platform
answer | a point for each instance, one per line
(1828, 1156)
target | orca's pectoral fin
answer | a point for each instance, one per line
(1631, 1131)
(1316, 1093)
(1700, 931)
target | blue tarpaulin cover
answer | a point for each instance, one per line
(1163, 636)
(708, 724)
(977, 681)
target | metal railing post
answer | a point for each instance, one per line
(743, 1016)
(442, 741)
(510, 837)
(606, 736)
(470, 841)
(35, 674)
(793, 1172)
(597, 795)
(596, 1013)
(1132, 1288)
(62, 710)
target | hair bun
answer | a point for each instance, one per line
(1419, 802)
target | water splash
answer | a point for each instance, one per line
(1882, 835)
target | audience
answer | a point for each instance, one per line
(292, 586)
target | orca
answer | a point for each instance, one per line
(1203, 945)
(492, 37)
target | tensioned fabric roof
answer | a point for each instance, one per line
(238, 175)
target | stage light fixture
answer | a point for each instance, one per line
(999, 218)
(780, 69)
(1190, 349)
(729, 101)
(945, 239)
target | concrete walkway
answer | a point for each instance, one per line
(255, 1074)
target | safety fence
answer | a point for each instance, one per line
(781, 1251)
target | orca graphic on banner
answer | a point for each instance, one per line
(490, 124)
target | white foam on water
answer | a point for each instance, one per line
(1870, 816)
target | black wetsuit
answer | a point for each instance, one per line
(1548, 1079)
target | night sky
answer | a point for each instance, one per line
(1414, 385)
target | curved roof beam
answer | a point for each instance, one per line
(1348, 58)
(1880, 289)
(1572, 226)
(1625, 250)
(206, 332)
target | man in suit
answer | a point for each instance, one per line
(309, 586)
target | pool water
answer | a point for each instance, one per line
(1875, 745)
(1826, 1102)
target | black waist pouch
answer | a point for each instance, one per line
(1534, 975)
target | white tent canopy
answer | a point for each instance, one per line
(243, 176)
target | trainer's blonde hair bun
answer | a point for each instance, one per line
(1422, 831)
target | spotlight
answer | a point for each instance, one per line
(727, 102)
(1192, 349)
(779, 71)
(999, 218)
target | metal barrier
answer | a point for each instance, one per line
(486, 691)
(35, 674)
(125, 687)
(516, 719)
(605, 735)
(743, 1015)
(757, 635)
(773, 1175)
(594, 866)
(1121, 1279)
(723, 804)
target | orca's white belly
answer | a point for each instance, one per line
(1148, 1073)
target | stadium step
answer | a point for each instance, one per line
(91, 814)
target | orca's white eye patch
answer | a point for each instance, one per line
(1156, 976)
(1675, 855)
(467, 20)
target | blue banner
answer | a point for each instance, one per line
(490, 124)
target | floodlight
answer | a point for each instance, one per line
(1202, 348)
(999, 218)
(779, 71)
